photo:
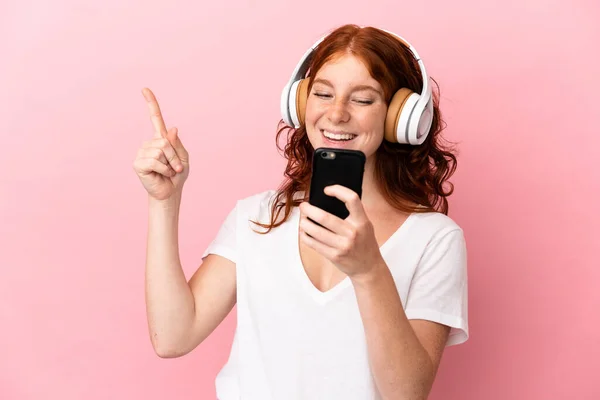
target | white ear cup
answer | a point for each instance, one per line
(419, 122)
(293, 102)
(424, 123)
(285, 105)
(402, 130)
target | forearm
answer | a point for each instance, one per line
(401, 367)
(169, 300)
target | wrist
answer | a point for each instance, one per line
(378, 271)
(171, 203)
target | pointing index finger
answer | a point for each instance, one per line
(155, 115)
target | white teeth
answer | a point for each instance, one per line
(345, 136)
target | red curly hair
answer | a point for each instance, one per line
(407, 175)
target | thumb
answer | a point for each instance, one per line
(173, 137)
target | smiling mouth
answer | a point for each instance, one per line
(336, 137)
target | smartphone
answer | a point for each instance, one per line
(335, 167)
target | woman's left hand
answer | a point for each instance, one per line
(350, 243)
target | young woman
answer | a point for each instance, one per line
(355, 308)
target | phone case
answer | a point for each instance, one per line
(335, 167)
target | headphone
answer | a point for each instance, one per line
(409, 115)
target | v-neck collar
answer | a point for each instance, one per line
(325, 297)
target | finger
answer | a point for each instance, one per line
(149, 165)
(319, 247)
(173, 137)
(153, 152)
(158, 155)
(160, 130)
(171, 153)
(323, 218)
(349, 197)
(153, 165)
(319, 233)
(167, 150)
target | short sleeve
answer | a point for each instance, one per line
(224, 243)
(438, 291)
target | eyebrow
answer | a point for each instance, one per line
(355, 88)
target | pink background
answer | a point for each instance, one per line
(519, 83)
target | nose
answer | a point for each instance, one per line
(338, 112)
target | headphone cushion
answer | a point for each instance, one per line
(395, 110)
(301, 99)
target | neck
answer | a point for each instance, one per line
(372, 198)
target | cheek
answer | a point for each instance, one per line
(380, 118)
(373, 121)
(312, 112)
(311, 117)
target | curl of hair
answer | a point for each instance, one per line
(411, 178)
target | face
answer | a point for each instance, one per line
(346, 107)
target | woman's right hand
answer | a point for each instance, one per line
(162, 163)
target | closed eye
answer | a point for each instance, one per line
(327, 96)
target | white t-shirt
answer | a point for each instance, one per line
(293, 341)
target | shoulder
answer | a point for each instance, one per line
(258, 200)
(435, 226)
(257, 205)
(439, 243)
